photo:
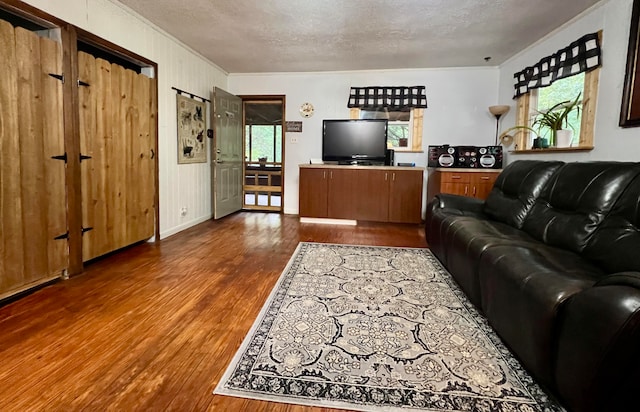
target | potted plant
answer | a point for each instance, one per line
(555, 119)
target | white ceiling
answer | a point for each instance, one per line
(253, 36)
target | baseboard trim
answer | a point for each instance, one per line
(325, 221)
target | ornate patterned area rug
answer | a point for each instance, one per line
(376, 329)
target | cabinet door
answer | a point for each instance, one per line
(456, 188)
(405, 196)
(313, 192)
(482, 184)
(341, 200)
(456, 183)
(372, 202)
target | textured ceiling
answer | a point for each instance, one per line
(252, 36)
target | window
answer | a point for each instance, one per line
(561, 77)
(564, 90)
(405, 127)
(561, 90)
(263, 141)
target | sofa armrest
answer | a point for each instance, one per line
(597, 360)
(462, 203)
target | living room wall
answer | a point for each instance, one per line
(186, 185)
(611, 141)
(458, 100)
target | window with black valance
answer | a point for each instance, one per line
(580, 56)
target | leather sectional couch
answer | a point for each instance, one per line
(552, 259)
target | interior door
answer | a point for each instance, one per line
(33, 202)
(117, 133)
(226, 153)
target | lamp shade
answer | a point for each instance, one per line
(499, 110)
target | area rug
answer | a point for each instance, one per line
(376, 329)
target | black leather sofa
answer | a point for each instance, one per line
(552, 259)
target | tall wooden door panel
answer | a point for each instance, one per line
(32, 182)
(117, 134)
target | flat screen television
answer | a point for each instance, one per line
(351, 141)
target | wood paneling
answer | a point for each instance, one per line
(153, 327)
(117, 129)
(53, 140)
(32, 196)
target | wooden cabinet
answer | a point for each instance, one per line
(373, 198)
(313, 183)
(381, 194)
(405, 187)
(473, 183)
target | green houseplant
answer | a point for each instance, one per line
(551, 120)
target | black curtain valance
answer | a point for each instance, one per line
(392, 98)
(580, 56)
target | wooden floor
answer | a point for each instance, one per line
(152, 328)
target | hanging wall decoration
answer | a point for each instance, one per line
(192, 139)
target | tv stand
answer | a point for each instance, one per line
(373, 193)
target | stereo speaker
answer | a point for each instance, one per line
(490, 157)
(442, 156)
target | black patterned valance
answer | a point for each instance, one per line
(580, 56)
(392, 98)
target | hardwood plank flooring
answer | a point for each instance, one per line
(153, 327)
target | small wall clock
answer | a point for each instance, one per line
(306, 110)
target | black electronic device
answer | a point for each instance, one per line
(442, 156)
(490, 157)
(467, 157)
(354, 141)
(389, 157)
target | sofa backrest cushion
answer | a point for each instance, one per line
(516, 189)
(575, 201)
(615, 246)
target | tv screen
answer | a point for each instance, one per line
(354, 141)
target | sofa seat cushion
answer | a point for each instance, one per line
(466, 240)
(522, 290)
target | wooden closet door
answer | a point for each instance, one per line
(32, 182)
(117, 132)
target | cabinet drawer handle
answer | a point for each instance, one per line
(394, 176)
(455, 177)
(466, 190)
(484, 177)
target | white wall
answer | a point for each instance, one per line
(457, 114)
(611, 141)
(178, 66)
